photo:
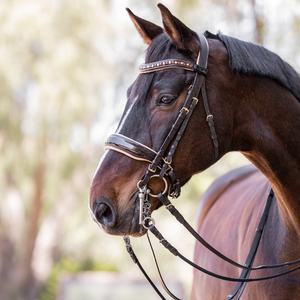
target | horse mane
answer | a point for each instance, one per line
(250, 59)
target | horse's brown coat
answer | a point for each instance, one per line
(219, 186)
(232, 209)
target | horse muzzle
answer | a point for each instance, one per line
(104, 214)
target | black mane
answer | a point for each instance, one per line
(251, 59)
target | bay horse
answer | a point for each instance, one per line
(248, 102)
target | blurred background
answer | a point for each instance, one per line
(65, 66)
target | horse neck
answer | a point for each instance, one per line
(267, 133)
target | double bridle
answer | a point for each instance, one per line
(159, 159)
(160, 167)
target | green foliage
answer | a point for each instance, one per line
(66, 265)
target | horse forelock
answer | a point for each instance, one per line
(159, 49)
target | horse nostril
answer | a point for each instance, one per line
(105, 213)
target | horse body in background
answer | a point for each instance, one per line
(254, 99)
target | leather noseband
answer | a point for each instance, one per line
(125, 145)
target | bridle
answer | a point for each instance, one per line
(160, 167)
(159, 159)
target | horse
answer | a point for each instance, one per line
(247, 101)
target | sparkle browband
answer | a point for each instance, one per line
(171, 63)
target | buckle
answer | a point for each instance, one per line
(209, 116)
(151, 170)
(196, 99)
(166, 161)
(186, 110)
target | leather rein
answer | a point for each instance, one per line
(161, 163)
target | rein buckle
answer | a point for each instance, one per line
(209, 116)
(186, 110)
(151, 170)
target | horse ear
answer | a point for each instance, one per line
(183, 37)
(146, 29)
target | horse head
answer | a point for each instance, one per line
(155, 100)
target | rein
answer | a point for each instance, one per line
(247, 267)
(162, 161)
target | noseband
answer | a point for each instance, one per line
(159, 159)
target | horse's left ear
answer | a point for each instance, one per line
(146, 29)
(183, 37)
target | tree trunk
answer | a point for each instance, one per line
(259, 24)
(26, 275)
(27, 282)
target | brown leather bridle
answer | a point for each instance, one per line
(159, 160)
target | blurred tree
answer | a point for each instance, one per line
(50, 82)
(259, 23)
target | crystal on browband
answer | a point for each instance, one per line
(171, 63)
(166, 64)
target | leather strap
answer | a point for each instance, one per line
(203, 53)
(180, 218)
(210, 121)
(162, 282)
(175, 252)
(136, 261)
(187, 109)
(240, 286)
(241, 281)
(129, 147)
(191, 103)
(192, 93)
(169, 64)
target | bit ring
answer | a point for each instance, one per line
(140, 187)
(166, 185)
(149, 219)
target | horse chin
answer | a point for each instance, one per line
(139, 232)
(134, 230)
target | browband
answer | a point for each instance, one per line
(171, 63)
(199, 67)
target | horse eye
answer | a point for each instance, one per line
(166, 100)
